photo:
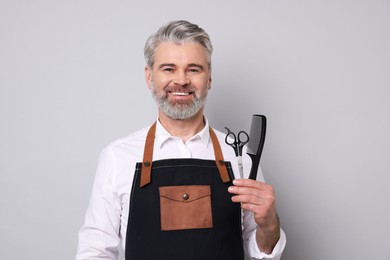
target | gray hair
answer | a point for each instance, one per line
(177, 32)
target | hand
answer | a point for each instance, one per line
(258, 197)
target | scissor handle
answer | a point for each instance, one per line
(241, 141)
(232, 136)
(233, 143)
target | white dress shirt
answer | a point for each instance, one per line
(106, 218)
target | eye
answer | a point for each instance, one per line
(168, 69)
(194, 70)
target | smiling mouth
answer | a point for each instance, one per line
(180, 93)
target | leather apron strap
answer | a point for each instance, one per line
(148, 157)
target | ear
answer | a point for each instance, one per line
(209, 82)
(148, 77)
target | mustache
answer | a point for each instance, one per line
(179, 89)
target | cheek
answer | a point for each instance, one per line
(205, 85)
(161, 82)
(200, 82)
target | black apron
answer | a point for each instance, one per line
(181, 209)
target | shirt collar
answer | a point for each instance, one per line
(162, 135)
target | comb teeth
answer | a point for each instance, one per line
(256, 143)
(256, 134)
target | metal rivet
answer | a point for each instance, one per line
(146, 164)
(186, 196)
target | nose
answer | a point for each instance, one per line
(182, 79)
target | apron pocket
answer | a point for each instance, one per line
(185, 207)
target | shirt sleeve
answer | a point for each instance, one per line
(249, 234)
(99, 236)
(254, 252)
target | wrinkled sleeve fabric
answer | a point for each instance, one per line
(99, 237)
(254, 252)
(249, 234)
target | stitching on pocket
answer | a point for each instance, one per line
(185, 207)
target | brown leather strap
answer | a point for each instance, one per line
(146, 169)
(219, 157)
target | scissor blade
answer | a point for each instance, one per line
(240, 167)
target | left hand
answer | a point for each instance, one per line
(257, 197)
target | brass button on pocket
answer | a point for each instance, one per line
(185, 207)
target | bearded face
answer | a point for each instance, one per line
(181, 107)
(179, 80)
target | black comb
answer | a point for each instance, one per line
(256, 142)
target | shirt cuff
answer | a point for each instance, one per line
(255, 253)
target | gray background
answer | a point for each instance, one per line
(71, 78)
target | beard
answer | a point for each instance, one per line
(179, 110)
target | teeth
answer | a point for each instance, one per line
(180, 93)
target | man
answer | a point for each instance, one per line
(172, 190)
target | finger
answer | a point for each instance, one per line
(256, 209)
(249, 199)
(249, 183)
(244, 191)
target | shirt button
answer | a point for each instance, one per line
(186, 196)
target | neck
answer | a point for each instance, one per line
(184, 129)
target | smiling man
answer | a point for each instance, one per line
(179, 80)
(172, 190)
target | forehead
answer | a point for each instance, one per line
(184, 54)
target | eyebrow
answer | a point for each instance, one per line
(173, 65)
(166, 65)
(196, 65)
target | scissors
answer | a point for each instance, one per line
(237, 142)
